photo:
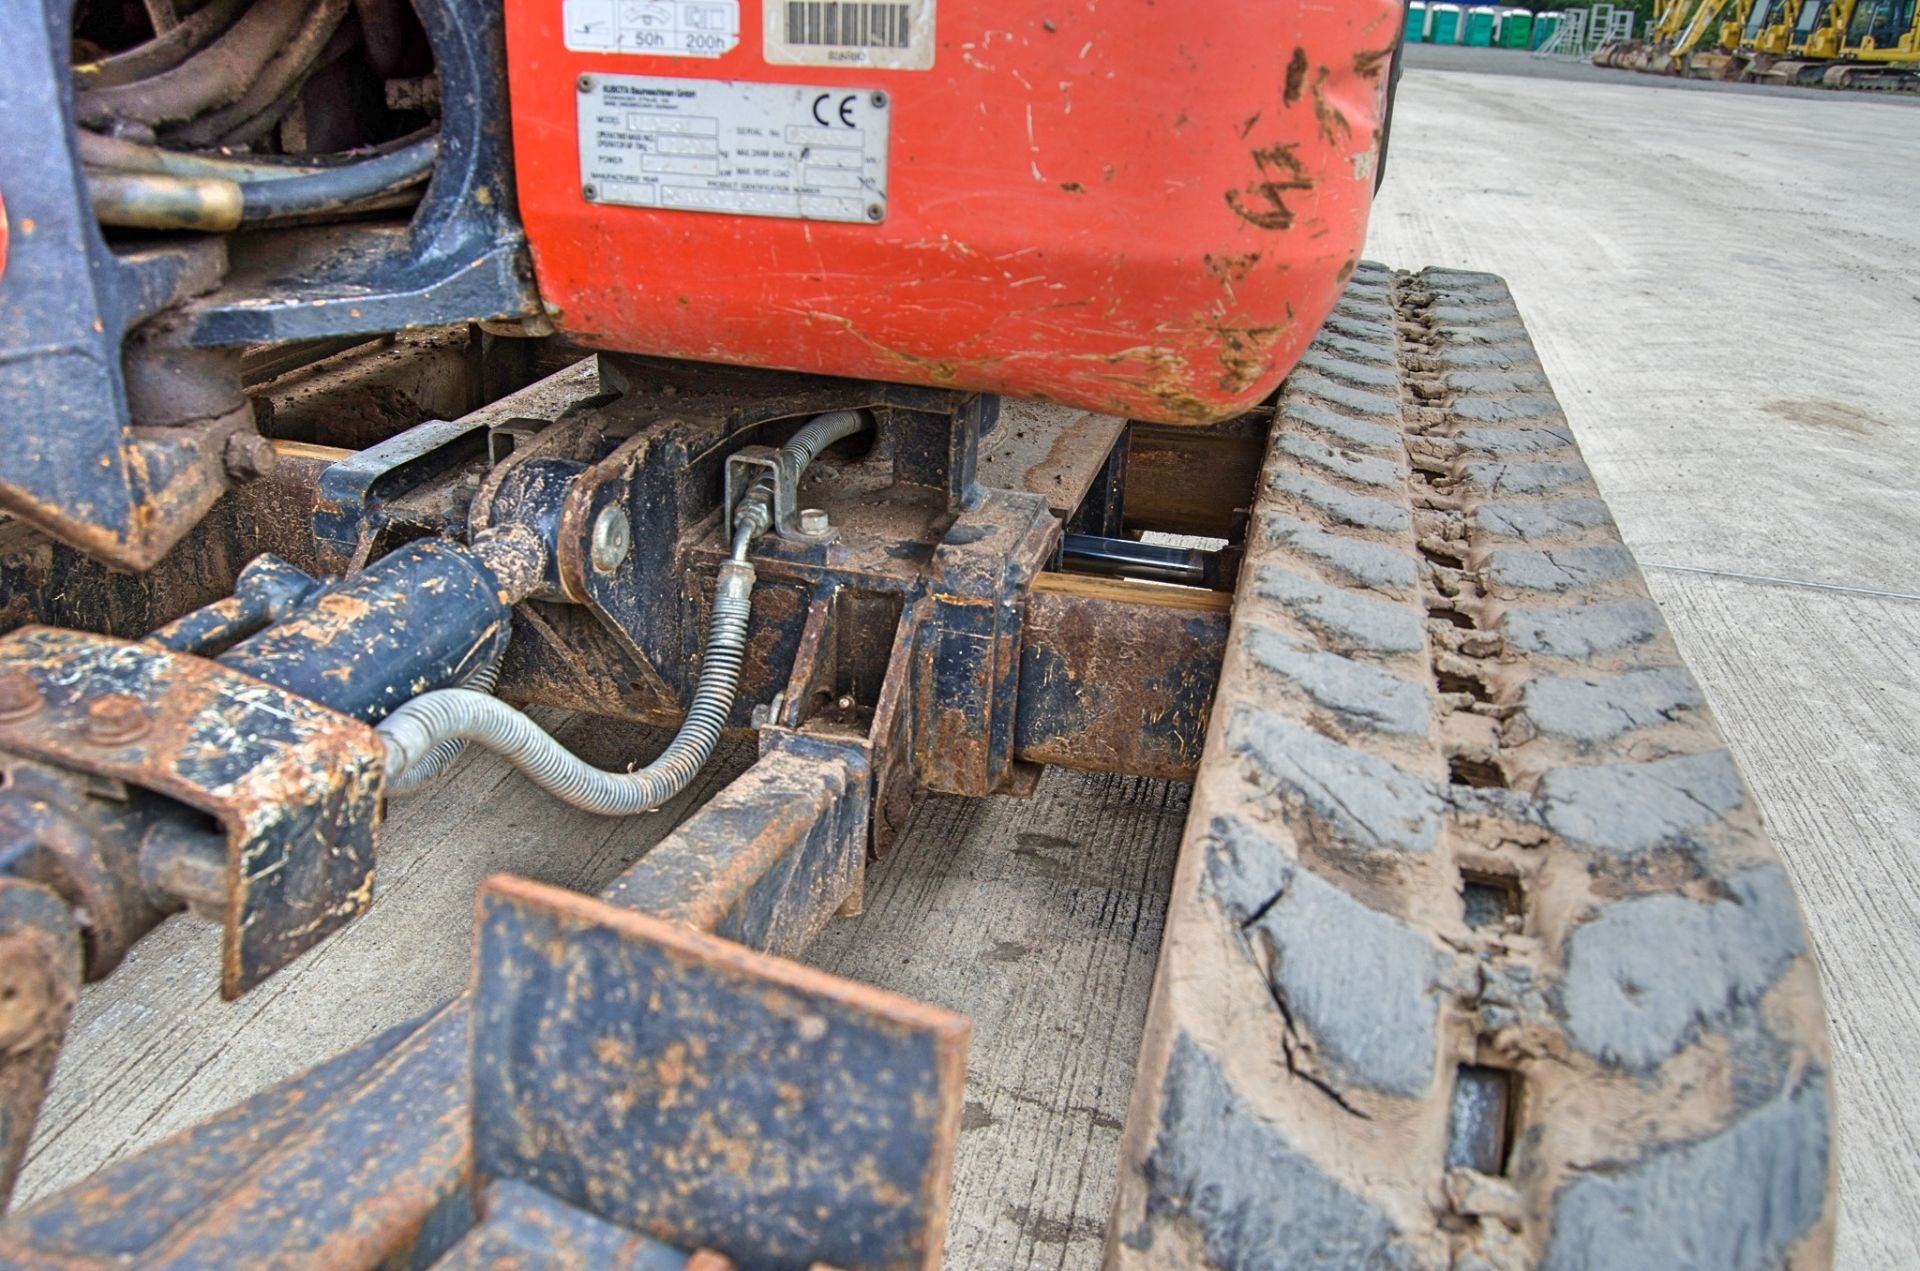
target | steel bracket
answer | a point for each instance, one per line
(743, 468)
(967, 670)
(710, 1095)
(349, 512)
(295, 786)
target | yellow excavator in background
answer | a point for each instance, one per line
(1831, 43)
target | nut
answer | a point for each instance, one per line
(115, 719)
(249, 456)
(33, 1001)
(612, 539)
(814, 521)
(19, 695)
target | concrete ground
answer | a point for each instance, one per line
(1722, 286)
(1455, 57)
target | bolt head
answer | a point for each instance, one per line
(814, 521)
(249, 455)
(116, 719)
(612, 538)
(19, 695)
(589, 192)
(875, 212)
(586, 83)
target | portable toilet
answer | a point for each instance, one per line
(1416, 22)
(1513, 28)
(1478, 27)
(1544, 25)
(1443, 27)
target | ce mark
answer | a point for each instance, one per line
(823, 107)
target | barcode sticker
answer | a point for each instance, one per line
(897, 34)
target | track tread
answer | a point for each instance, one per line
(1445, 670)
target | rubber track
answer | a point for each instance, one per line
(1477, 954)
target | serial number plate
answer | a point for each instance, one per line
(746, 149)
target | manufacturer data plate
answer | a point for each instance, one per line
(702, 145)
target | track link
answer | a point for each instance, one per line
(1477, 954)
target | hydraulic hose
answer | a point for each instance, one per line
(335, 188)
(103, 152)
(414, 732)
(800, 451)
(805, 446)
(272, 90)
(215, 76)
(420, 775)
(148, 200)
(163, 52)
(417, 732)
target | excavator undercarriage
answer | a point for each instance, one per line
(371, 382)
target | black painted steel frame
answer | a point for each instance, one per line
(648, 1062)
(122, 473)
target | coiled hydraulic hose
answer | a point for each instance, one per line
(420, 775)
(415, 732)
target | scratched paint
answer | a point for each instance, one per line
(1058, 182)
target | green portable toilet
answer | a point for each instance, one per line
(1416, 22)
(1443, 27)
(1544, 25)
(1513, 28)
(1479, 28)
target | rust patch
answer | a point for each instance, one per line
(1333, 124)
(1243, 354)
(254, 757)
(1178, 403)
(1263, 203)
(1073, 187)
(1368, 63)
(1231, 268)
(1296, 76)
(1118, 676)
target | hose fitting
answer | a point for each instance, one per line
(421, 737)
(414, 734)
